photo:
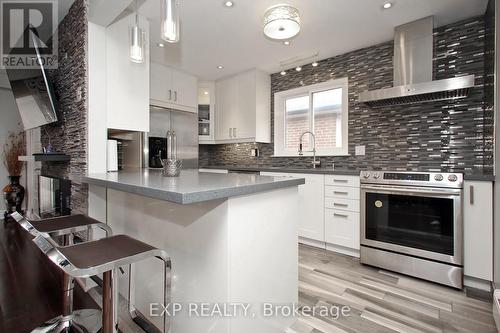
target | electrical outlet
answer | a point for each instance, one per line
(360, 150)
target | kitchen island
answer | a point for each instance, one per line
(232, 239)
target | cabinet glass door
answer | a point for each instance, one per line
(204, 116)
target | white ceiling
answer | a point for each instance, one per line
(212, 34)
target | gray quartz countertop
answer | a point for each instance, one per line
(326, 171)
(191, 186)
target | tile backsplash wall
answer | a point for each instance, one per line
(69, 134)
(446, 135)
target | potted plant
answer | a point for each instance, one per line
(13, 193)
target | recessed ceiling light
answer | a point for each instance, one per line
(220, 67)
(314, 64)
(160, 45)
(283, 72)
(298, 68)
(387, 5)
(205, 92)
(287, 42)
(228, 3)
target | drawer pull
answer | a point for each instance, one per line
(340, 204)
(342, 193)
(340, 215)
(340, 180)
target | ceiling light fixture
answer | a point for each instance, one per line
(315, 64)
(220, 67)
(287, 43)
(205, 93)
(387, 5)
(229, 4)
(160, 45)
(298, 68)
(281, 22)
(137, 38)
(283, 72)
(170, 31)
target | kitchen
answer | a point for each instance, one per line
(317, 154)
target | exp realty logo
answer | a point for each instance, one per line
(28, 33)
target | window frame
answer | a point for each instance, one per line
(280, 120)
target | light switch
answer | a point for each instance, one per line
(360, 150)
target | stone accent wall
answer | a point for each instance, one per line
(436, 136)
(69, 134)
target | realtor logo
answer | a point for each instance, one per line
(29, 33)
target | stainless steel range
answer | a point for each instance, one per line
(411, 222)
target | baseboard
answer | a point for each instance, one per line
(476, 283)
(342, 250)
(312, 242)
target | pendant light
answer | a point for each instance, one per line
(281, 22)
(136, 40)
(170, 30)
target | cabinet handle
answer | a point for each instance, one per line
(338, 192)
(340, 180)
(340, 215)
(471, 196)
(340, 205)
(175, 95)
(169, 94)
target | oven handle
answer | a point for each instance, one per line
(409, 189)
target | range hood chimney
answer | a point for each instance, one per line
(413, 52)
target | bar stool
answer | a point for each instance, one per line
(105, 256)
(85, 320)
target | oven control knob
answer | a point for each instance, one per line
(452, 178)
(376, 175)
(366, 175)
(438, 177)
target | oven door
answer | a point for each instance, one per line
(417, 221)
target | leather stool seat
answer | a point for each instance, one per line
(104, 251)
(64, 224)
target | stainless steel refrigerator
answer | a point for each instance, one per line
(185, 125)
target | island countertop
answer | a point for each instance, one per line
(191, 186)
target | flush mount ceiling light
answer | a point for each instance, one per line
(170, 30)
(287, 43)
(281, 22)
(387, 5)
(160, 45)
(228, 3)
(220, 67)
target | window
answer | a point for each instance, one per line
(321, 109)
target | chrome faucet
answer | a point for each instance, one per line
(314, 162)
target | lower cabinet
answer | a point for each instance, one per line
(342, 228)
(311, 201)
(478, 230)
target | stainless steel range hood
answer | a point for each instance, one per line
(413, 52)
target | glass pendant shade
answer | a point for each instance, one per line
(281, 22)
(136, 44)
(170, 30)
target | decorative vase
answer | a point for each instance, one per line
(13, 195)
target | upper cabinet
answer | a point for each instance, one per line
(171, 88)
(127, 88)
(242, 108)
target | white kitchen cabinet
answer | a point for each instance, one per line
(478, 229)
(311, 201)
(171, 88)
(342, 228)
(242, 109)
(127, 83)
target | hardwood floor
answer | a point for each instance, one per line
(381, 301)
(30, 286)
